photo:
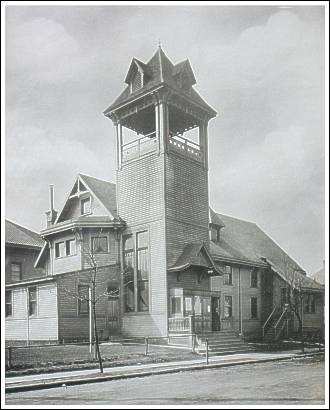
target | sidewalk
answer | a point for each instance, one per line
(48, 380)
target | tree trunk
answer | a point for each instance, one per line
(97, 347)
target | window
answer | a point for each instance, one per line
(136, 82)
(32, 297)
(100, 244)
(228, 310)
(254, 278)
(285, 296)
(70, 247)
(85, 206)
(176, 305)
(188, 306)
(136, 279)
(309, 303)
(215, 234)
(143, 271)
(16, 271)
(129, 274)
(9, 303)
(83, 302)
(65, 248)
(254, 308)
(228, 277)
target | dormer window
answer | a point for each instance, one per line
(85, 206)
(215, 233)
(137, 81)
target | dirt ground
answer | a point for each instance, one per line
(292, 382)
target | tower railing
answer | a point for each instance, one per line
(185, 147)
(139, 147)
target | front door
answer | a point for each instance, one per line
(215, 309)
(112, 315)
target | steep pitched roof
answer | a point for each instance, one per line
(105, 191)
(244, 241)
(160, 70)
(319, 276)
(194, 254)
(18, 235)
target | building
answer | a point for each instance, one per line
(319, 276)
(166, 263)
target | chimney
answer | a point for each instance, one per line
(51, 214)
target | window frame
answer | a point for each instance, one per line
(64, 241)
(29, 290)
(176, 299)
(83, 201)
(226, 306)
(9, 303)
(93, 238)
(80, 302)
(20, 271)
(228, 275)
(252, 273)
(256, 316)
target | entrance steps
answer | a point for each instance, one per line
(221, 343)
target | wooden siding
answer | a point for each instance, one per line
(242, 319)
(42, 326)
(73, 208)
(71, 324)
(27, 259)
(102, 259)
(65, 263)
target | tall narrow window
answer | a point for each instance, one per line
(85, 206)
(254, 308)
(309, 303)
(254, 278)
(129, 274)
(9, 303)
(285, 295)
(32, 296)
(228, 277)
(228, 308)
(175, 305)
(83, 300)
(16, 271)
(70, 247)
(142, 271)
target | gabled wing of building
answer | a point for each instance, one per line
(17, 235)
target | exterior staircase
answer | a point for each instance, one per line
(221, 343)
(275, 326)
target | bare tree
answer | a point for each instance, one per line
(98, 289)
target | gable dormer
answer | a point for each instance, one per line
(184, 75)
(137, 75)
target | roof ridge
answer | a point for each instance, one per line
(234, 217)
(22, 227)
(98, 179)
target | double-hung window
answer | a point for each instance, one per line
(9, 303)
(228, 277)
(32, 297)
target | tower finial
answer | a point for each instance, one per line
(159, 43)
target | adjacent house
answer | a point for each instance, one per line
(165, 263)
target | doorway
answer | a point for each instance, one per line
(215, 310)
(112, 315)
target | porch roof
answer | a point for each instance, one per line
(196, 254)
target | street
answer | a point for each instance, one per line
(299, 381)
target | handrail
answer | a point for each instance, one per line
(185, 141)
(268, 319)
(280, 318)
(146, 137)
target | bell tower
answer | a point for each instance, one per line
(161, 127)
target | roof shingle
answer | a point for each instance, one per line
(18, 235)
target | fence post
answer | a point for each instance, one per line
(146, 342)
(9, 357)
(207, 350)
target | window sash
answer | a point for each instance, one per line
(16, 271)
(8, 303)
(70, 247)
(228, 306)
(100, 244)
(176, 305)
(254, 308)
(32, 298)
(83, 304)
(254, 279)
(85, 206)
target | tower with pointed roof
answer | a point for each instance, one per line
(162, 182)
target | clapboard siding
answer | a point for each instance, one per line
(71, 324)
(101, 259)
(65, 263)
(43, 326)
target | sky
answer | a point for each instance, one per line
(260, 67)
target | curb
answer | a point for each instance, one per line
(108, 377)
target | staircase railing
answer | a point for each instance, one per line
(267, 321)
(277, 328)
